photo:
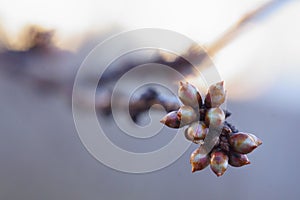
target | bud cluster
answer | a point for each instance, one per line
(199, 116)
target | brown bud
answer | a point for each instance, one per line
(256, 139)
(238, 160)
(243, 143)
(186, 114)
(218, 162)
(196, 132)
(199, 160)
(216, 95)
(214, 117)
(189, 95)
(171, 120)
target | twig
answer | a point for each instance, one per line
(236, 28)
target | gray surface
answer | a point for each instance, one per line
(43, 158)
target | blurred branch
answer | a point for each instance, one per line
(3, 39)
(196, 54)
(236, 28)
(143, 103)
(41, 48)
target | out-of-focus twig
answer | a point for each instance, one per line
(38, 51)
(199, 56)
(236, 28)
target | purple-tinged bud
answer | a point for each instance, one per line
(214, 117)
(186, 114)
(243, 143)
(216, 95)
(171, 120)
(218, 162)
(238, 160)
(196, 132)
(189, 95)
(199, 160)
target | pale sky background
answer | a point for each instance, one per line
(263, 52)
(73, 17)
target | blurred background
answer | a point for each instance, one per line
(42, 44)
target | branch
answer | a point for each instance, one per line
(236, 28)
(182, 65)
(14, 59)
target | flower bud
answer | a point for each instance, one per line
(196, 132)
(189, 95)
(243, 143)
(199, 160)
(171, 120)
(186, 114)
(218, 162)
(256, 139)
(214, 117)
(238, 160)
(216, 95)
